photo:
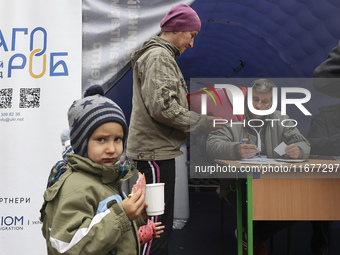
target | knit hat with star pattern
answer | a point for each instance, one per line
(88, 113)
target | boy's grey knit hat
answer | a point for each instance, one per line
(88, 113)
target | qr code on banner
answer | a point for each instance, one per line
(6, 98)
(29, 98)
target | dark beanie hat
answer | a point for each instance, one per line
(181, 18)
(88, 113)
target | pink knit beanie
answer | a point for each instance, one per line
(181, 18)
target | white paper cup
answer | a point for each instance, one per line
(154, 196)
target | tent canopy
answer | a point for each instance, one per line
(264, 38)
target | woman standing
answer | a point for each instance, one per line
(160, 119)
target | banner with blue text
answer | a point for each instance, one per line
(40, 76)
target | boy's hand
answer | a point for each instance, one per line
(159, 229)
(134, 205)
(145, 216)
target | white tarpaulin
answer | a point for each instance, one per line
(40, 76)
(112, 30)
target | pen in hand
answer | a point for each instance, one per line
(241, 142)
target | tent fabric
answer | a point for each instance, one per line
(271, 38)
(252, 39)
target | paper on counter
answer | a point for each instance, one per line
(260, 161)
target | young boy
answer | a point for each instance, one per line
(84, 211)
